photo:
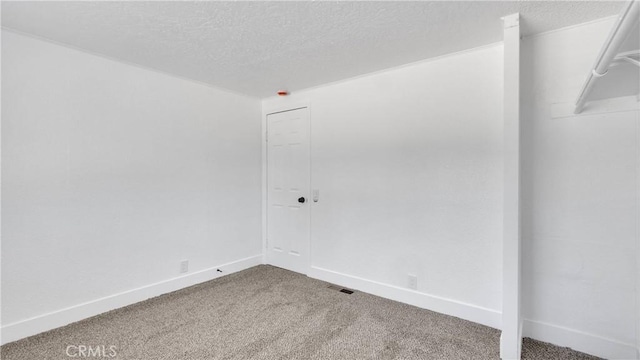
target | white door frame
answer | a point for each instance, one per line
(266, 111)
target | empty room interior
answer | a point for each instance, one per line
(320, 180)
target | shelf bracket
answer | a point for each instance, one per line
(628, 56)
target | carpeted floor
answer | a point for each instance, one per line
(269, 313)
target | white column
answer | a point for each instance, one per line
(511, 339)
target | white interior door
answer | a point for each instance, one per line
(288, 187)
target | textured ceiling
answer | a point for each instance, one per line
(256, 48)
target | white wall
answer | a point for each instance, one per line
(581, 188)
(409, 167)
(113, 174)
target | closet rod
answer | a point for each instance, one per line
(620, 32)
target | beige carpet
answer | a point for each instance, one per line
(269, 313)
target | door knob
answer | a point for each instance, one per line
(301, 200)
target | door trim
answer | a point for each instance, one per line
(266, 111)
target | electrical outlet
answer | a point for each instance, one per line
(413, 282)
(184, 266)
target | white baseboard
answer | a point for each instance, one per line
(52, 320)
(484, 316)
(580, 341)
(558, 335)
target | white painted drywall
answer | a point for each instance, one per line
(113, 174)
(409, 167)
(581, 208)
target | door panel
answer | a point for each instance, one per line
(288, 180)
